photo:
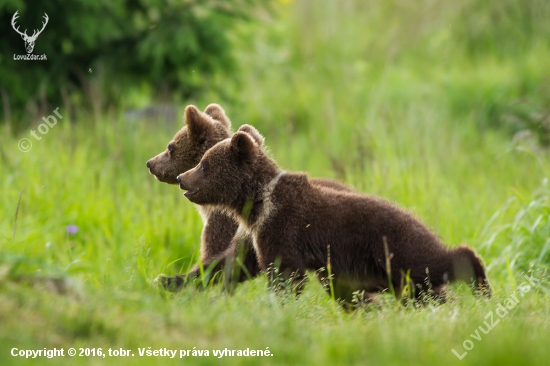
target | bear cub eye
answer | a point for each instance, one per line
(205, 166)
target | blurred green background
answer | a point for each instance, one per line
(442, 107)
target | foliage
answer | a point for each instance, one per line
(524, 241)
(174, 46)
(485, 60)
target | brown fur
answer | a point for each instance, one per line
(184, 151)
(300, 225)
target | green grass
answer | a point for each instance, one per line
(383, 96)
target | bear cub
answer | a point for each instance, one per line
(183, 152)
(372, 244)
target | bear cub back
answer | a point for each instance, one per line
(373, 245)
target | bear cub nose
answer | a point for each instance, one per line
(178, 179)
(148, 164)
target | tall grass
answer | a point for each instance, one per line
(523, 240)
(394, 98)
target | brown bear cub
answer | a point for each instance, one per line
(372, 244)
(202, 131)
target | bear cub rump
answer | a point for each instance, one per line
(300, 225)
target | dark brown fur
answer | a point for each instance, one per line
(184, 151)
(296, 223)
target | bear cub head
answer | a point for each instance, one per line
(185, 150)
(225, 175)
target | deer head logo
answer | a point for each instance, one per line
(29, 41)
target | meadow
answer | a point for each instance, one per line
(441, 108)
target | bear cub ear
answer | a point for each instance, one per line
(253, 133)
(216, 112)
(197, 122)
(243, 148)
